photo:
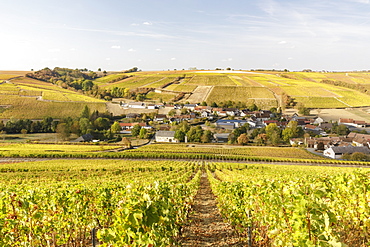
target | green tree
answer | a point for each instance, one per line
(87, 85)
(206, 137)
(102, 123)
(75, 127)
(232, 138)
(140, 97)
(184, 111)
(172, 113)
(63, 131)
(273, 133)
(85, 126)
(135, 131)
(287, 134)
(302, 110)
(116, 127)
(195, 134)
(143, 134)
(46, 125)
(180, 135)
(184, 126)
(342, 130)
(85, 112)
(24, 132)
(292, 130)
(253, 107)
(2, 125)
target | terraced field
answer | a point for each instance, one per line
(259, 95)
(29, 98)
(315, 90)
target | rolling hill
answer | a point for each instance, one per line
(24, 97)
(265, 89)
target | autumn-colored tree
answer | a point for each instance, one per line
(243, 139)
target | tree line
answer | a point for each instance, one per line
(183, 131)
(96, 123)
(82, 82)
(16, 126)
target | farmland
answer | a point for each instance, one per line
(140, 203)
(30, 108)
(172, 151)
(251, 95)
(34, 99)
(295, 206)
(265, 89)
(59, 203)
(305, 87)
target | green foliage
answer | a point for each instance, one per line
(357, 156)
(341, 129)
(135, 131)
(102, 123)
(180, 135)
(85, 126)
(85, 112)
(116, 127)
(128, 202)
(294, 206)
(292, 130)
(143, 134)
(195, 134)
(302, 110)
(273, 133)
(206, 136)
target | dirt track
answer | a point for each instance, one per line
(206, 227)
(200, 94)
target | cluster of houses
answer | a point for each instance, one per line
(333, 147)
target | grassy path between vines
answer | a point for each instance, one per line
(206, 227)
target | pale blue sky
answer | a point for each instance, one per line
(178, 34)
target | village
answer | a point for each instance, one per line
(334, 139)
